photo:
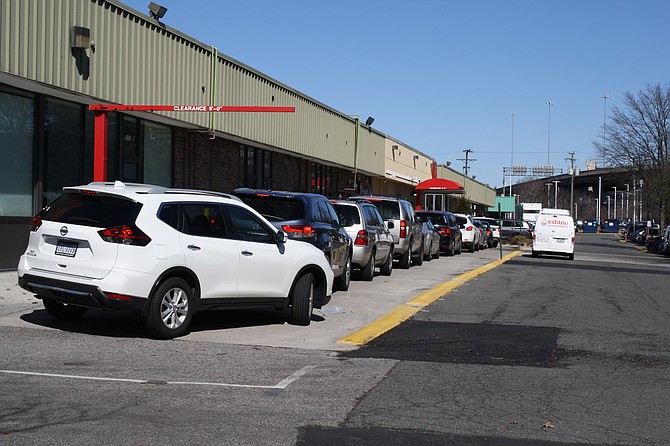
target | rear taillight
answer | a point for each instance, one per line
(362, 238)
(36, 223)
(125, 235)
(469, 228)
(298, 231)
(403, 229)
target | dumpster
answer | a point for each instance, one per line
(611, 226)
(590, 226)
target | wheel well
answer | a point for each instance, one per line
(183, 273)
(319, 281)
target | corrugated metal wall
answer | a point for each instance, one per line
(138, 61)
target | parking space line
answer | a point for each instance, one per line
(281, 385)
(400, 314)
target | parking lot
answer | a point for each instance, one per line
(346, 314)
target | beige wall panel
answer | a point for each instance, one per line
(136, 61)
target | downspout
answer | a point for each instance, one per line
(212, 89)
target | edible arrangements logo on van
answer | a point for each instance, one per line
(553, 221)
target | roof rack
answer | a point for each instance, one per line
(209, 193)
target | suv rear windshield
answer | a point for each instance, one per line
(390, 210)
(92, 210)
(276, 208)
(348, 213)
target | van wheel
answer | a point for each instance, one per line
(302, 301)
(171, 309)
(535, 254)
(471, 248)
(571, 257)
(368, 271)
(61, 311)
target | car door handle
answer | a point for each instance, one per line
(247, 253)
(194, 247)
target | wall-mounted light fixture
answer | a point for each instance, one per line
(448, 163)
(80, 38)
(157, 11)
(369, 121)
(416, 157)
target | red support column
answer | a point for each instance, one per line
(100, 147)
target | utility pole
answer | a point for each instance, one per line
(467, 159)
(572, 181)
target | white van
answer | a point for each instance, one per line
(554, 234)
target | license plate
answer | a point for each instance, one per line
(560, 240)
(67, 249)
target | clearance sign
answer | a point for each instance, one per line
(100, 138)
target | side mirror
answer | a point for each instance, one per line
(281, 237)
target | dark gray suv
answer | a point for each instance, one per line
(309, 218)
(407, 228)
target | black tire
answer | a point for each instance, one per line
(302, 300)
(534, 254)
(171, 309)
(342, 283)
(406, 259)
(471, 248)
(460, 248)
(368, 271)
(571, 257)
(437, 254)
(427, 256)
(418, 260)
(387, 267)
(63, 312)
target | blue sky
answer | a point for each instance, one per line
(442, 75)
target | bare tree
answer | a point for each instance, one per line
(637, 138)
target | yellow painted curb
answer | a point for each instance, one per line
(400, 314)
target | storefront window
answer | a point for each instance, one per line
(63, 131)
(17, 117)
(157, 154)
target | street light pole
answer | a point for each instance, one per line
(555, 193)
(511, 173)
(549, 103)
(614, 187)
(605, 97)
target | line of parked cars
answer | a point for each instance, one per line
(651, 236)
(168, 253)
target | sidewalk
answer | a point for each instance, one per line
(13, 298)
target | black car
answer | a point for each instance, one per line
(450, 234)
(310, 218)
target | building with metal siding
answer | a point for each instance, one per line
(134, 59)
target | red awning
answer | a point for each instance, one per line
(442, 185)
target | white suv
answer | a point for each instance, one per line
(166, 253)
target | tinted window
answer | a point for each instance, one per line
(372, 216)
(325, 213)
(348, 212)
(203, 219)
(462, 221)
(169, 213)
(276, 208)
(92, 210)
(390, 210)
(247, 227)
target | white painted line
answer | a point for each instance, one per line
(283, 384)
